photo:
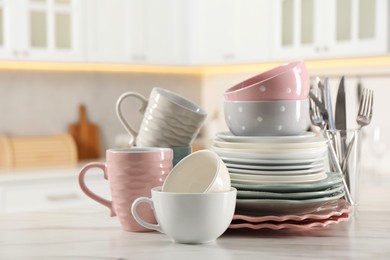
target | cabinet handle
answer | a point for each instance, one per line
(62, 197)
(229, 56)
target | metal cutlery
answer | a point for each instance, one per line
(319, 117)
(363, 118)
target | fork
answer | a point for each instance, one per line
(363, 118)
(318, 118)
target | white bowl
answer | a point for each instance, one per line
(200, 172)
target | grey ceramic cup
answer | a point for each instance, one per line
(168, 119)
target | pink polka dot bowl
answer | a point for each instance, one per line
(289, 81)
(267, 118)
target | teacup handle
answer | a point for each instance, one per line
(87, 191)
(140, 221)
(133, 133)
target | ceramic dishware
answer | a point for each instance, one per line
(131, 173)
(267, 118)
(286, 82)
(168, 119)
(200, 172)
(180, 152)
(189, 217)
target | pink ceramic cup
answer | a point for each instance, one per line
(289, 81)
(132, 173)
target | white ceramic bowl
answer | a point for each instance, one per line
(200, 172)
(267, 118)
(286, 82)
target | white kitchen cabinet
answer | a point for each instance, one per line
(229, 31)
(135, 31)
(157, 31)
(46, 189)
(333, 28)
(107, 35)
(42, 30)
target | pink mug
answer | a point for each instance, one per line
(132, 173)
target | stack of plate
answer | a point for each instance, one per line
(280, 176)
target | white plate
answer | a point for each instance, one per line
(245, 194)
(256, 179)
(314, 142)
(317, 164)
(288, 172)
(229, 137)
(275, 162)
(254, 154)
(331, 180)
(263, 207)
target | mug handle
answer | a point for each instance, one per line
(140, 221)
(133, 133)
(87, 191)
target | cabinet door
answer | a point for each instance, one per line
(157, 31)
(334, 28)
(297, 25)
(47, 30)
(212, 32)
(254, 32)
(5, 29)
(361, 27)
(107, 31)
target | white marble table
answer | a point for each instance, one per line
(89, 233)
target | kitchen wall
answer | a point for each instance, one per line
(44, 103)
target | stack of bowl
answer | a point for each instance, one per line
(276, 165)
(272, 103)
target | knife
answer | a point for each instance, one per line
(341, 124)
(341, 112)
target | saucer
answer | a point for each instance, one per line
(229, 137)
(332, 178)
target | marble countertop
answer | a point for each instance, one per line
(89, 233)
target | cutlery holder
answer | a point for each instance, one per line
(37, 151)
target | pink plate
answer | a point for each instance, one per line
(334, 213)
(305, 225)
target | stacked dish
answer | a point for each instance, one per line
(279, 169)
(281, 176)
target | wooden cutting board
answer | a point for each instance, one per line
(86, 135)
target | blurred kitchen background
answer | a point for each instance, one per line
(56, 55)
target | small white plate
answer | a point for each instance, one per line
(229, 137)
(256, 179)
(314, 142)
(317, 164)
(269, 155)
(275, 162)
(263, 207)
(288, 172)
(332, 178)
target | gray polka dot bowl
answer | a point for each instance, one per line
(267, 118)
(289, 81)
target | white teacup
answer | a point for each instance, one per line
(190, 218)
(199, 172)
(169, 119)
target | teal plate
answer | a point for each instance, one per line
(331, 180)
(245, 194)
